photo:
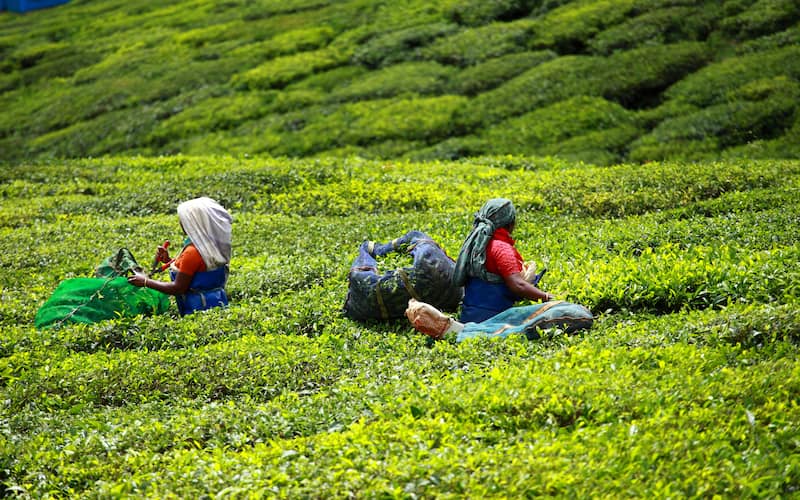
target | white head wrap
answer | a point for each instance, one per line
(208, 225)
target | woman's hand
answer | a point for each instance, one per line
(138, 279)
(162, 254)
(529, 271)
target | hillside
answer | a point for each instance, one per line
(686, 386)
(651, 147)
(598, 81)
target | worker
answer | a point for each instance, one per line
(200, 272)
(490, 268)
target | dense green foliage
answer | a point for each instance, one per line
(407, 79)
(686, 385)
(650, 146)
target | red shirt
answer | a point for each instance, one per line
(189, 261)
(501, 256)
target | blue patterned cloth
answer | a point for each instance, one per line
(530, 320)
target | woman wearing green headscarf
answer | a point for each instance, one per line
(490, 268)
(494, 278)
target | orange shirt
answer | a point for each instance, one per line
(189, 261)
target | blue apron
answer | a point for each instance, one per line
(206, 290)
(482, 300)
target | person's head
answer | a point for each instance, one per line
(500, 212)
(208, 226)
(201, 209)
(494, 214)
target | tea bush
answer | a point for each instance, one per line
(569, 27)
(784, 147)
(279, 72)
(712, 84)
(451, 149)
(763, 108)
(662, 26)
(282, 44)
(476, 13)
(564, 77)
(401, 45)
(375, 151)
(215, 33)
(602, 147)
(364, 122)
(684, 387)
(213, 113)
(773, 41)
(328, 80)
(534, 132)
(473, 45)
(88, 136)
(45, 61)
(493, 72)
(406, 78)
(296, 433)
(693, 282)
(762, 18)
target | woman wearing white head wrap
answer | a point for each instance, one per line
(208, 225)
(200, 271)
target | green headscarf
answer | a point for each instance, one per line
(494, 214)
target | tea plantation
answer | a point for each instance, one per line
(599, 81)
(651, 147)
(686, 386)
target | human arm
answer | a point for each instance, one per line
(503, 259)
(187, 264)
(523, 289)
(177, 287)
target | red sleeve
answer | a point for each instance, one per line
(189, 261)
(503, 259)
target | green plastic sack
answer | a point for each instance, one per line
(108, 295)
(121, 263)
(89, 300)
